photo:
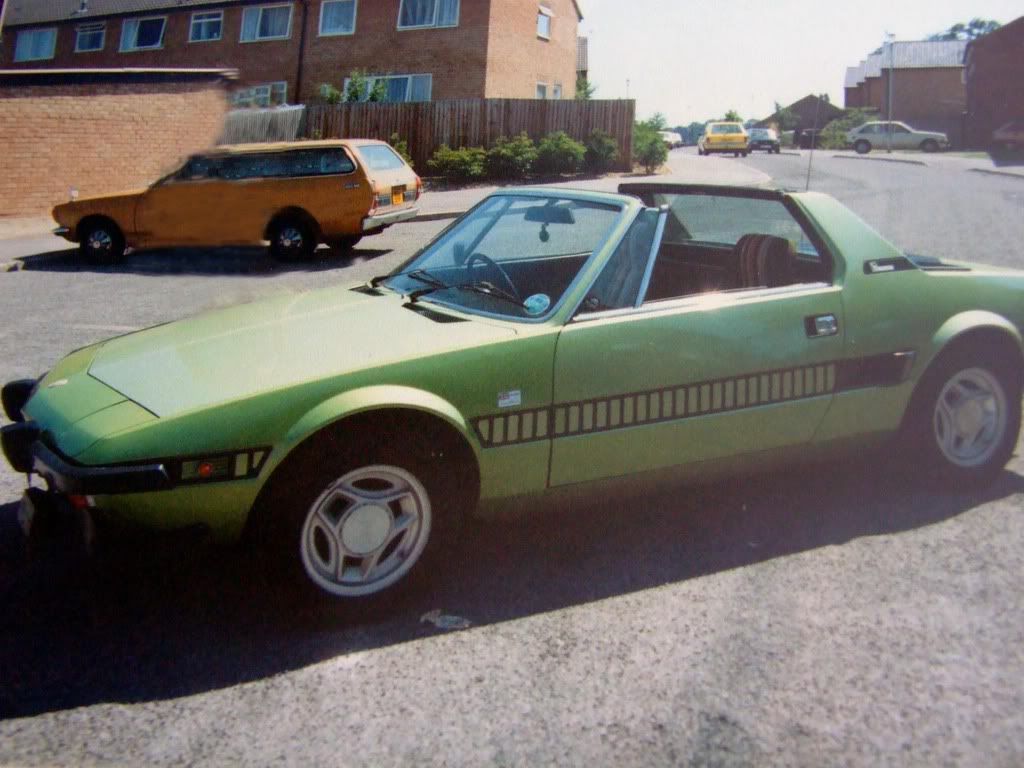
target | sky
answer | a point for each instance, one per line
(692, 60)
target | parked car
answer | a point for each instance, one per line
(723, 137)
(766, 139)
(672, 139)
(1009, 136)
(550, 342)
(292, 194)
(881, 134)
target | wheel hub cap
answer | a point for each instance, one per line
(366, 529)
(970, 417)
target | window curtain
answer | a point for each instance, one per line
(427, 13)
(447, 13)
(250, 23)
(420, 90)
(339, 16)
(274, 22)
(149, 33)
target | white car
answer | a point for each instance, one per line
(883, 135)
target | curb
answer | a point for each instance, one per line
(882, 159)
(439, 216)
(791, 154)
(992, 172)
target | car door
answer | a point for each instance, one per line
(674, 380)
(187, 208)
(902, 138)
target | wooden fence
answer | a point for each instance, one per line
(473, 122)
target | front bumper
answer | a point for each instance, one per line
(26, 453)
(381, 220)
(64, 232)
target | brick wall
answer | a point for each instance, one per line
(455, 56)
(99, 137)
(258, 62)
(517, 59)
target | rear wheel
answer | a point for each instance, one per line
(862, 147)
(291, 240)
(965, 418)
(101, 242)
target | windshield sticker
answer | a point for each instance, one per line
(537, 304)
(510, 399)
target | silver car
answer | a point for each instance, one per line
(883, 135)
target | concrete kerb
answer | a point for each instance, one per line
(994, 172)
(882, 159)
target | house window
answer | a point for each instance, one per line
(399, 88)
(556, 91)
(266, 95)
(266, 22)
(544, 23)
(542, 90)
(417, 14)
(338, 17)
(35, 44)
(90, 37)
(143, 34)
(206, 27)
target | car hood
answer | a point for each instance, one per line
(98, 203)
(273, 344)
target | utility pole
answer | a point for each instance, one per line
(890, 42)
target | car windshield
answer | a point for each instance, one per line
(726, 129)
(513, 255)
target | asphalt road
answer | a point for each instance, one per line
(827, 616)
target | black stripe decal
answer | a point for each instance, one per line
(687, 401)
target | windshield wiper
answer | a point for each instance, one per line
(416, 274)
(489, 289)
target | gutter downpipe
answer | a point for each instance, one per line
(302, 51)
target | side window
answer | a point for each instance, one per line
(897, 128)
(619, 283)
(198, 168)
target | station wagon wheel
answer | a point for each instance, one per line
(291, 240)
(964, 420)
(366, 530)
(101, 242)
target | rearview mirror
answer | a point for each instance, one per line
(550, 214)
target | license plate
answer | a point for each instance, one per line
(397, 198)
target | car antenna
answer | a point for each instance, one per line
(814, 140)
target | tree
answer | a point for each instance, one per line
(584, 88)
(732, 116)
(970, 30)
(649, 148)
(786, 118)
(359, 88)
(657, 121)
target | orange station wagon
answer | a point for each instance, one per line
(294, 195)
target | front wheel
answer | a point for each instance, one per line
(965, 418)
(862, 147)
(101, 242)
(929, 145)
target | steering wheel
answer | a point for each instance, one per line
(489, 262)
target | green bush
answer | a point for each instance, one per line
(833, 135)
(649, 149)
(558, 153)
(401, 146)
(602, 152)
(463, 164)
(511, 158)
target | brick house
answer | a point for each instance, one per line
(994, 80)
(285, 49)
(927, 84)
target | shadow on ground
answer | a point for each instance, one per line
(201, 261)
(169, 619)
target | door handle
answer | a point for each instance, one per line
(817, 326)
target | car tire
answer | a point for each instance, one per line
(360, 524)
(929, 145)
(291, 239)
(745, 154)
(100, 241)
(862, 147)
(964, 418)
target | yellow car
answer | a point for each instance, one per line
(724, 137)
(293, 194)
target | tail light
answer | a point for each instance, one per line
(419, 187)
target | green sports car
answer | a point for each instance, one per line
(549, 342)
